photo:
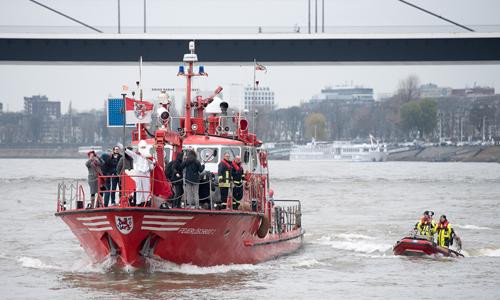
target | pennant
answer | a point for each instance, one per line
(138, 111)
(260, 67)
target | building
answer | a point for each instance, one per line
(476, 91)
(345, 94)
(45, 116)
(1, 107)
(431, 90)
(41, 106)
(261, 96)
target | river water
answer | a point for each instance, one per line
(352, 213)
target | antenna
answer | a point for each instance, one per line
(140, 77)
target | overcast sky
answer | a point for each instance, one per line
(88, 85)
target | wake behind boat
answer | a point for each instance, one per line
(257, 229)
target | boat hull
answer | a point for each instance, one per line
(198, 237)
(410, 246)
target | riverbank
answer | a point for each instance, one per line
(430, 154)
(449, 153)
(40, 153)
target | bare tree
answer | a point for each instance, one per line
(408, 89)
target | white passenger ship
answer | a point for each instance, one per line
(340, 150)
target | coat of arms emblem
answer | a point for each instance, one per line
(124, 224)
(140, 110)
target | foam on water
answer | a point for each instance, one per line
(306, 263)
(354, 236)
(36, 263)
(471, 227)
(354, 242)
(84, 265)
(169, 267)
(489, 252)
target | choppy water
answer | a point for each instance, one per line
(352, 212)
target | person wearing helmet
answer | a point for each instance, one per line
(224, 179)
(237, 176)
(426, 226)
(446, 234)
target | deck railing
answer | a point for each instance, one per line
(71, 195)
(286, 218)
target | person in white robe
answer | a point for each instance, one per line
(141, 172)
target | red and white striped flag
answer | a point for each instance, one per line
(137, 111)
(260, 67)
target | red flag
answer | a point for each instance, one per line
(161, 186)
(260, 67)
(138, 111)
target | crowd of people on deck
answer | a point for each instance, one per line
(191, 185)
(443, 232)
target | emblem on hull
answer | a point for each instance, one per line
(124, 224)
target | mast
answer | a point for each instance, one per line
(252, 111)
(189, 58)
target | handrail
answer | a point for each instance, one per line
(64, 199)
(75, 192)
(286, 200)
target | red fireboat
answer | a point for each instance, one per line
(260, 229)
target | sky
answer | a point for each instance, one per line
(86, 86)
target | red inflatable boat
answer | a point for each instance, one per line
(416, 246)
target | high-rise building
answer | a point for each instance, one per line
(40, 105)
(345, 94)
(1, 107)
(431, 90)
(476, 91)
(261, 96)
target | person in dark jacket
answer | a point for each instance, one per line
(93, 165)
(106, 181)
(224, 176)
(174, 174)
(204, 189)
(192, 168)
(125, 163)
(112, 183)
(237, 176)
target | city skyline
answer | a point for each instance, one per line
(86, 92)
(87, 85)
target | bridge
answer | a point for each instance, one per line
(452, 48)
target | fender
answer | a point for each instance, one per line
(265, 222)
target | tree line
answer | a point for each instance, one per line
(405, 116)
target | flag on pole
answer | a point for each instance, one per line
(260, 67)
(137, 111)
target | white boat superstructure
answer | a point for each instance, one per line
(339, 150)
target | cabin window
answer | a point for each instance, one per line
(233, 151)
(208, 154)
(246, 156)
(254, 160)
